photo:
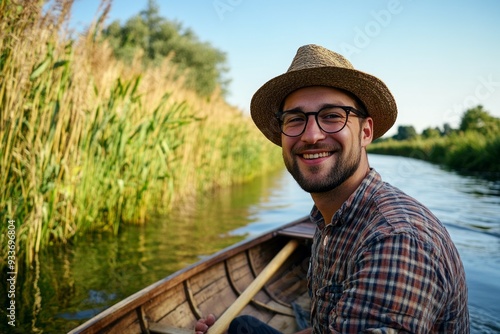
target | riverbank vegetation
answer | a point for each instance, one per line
(473, 148)
(90, 141)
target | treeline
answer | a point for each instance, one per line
(156, 38)
(472, 148)
(89, 142)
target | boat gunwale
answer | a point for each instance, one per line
(139, 298)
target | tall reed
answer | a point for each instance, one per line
(88, 143)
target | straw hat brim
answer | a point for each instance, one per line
(372, 92)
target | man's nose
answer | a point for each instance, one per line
(312, 133)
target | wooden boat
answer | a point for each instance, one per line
(264, 277)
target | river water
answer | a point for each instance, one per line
(67, 285)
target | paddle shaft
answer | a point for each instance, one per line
(225, 319)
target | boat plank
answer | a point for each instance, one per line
(261, 255)
(291, 283)
(156, 328)
(304, 229)
(203, 279)
(128, 324)
(158, 307)
(182, 317)
(261, 300)
(216, 297)
(239, 270)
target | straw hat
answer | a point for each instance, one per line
(314, 65)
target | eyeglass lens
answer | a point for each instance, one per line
(330, 120)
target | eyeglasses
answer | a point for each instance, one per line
(330, 119)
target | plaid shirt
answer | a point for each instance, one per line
(385, 264)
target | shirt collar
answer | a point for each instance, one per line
(370, 184)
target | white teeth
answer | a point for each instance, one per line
(316, 155)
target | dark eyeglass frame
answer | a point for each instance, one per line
(348, 110)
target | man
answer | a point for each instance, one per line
(381, 262)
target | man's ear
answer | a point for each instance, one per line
(366, 131)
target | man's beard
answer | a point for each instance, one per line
(344, 168)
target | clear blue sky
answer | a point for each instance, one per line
(437, 57)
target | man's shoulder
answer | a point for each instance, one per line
(392, 211)
(392, 200)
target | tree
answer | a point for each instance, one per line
(447, 129)
(405, 132)
(203, 65)
(431, 133)
(479, 120)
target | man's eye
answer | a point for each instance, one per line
(293, 119)
(331, 116)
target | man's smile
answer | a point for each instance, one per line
(310, 156)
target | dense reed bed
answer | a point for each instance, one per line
(88, 143)
(467, 152)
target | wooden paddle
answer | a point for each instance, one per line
(221, 325)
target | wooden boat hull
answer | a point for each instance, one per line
(214, 284)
